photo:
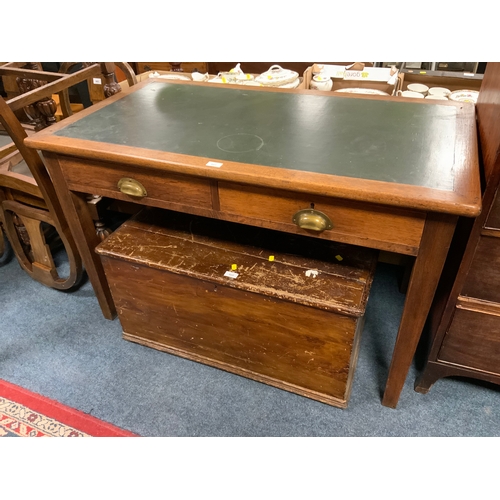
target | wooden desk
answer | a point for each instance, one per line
(391, 175)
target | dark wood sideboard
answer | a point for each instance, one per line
(465, 320)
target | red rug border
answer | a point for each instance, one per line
(53, 409)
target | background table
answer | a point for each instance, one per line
(390, 174)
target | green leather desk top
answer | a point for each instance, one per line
(384, 140)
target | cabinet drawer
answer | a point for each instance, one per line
(483, 278)
(473, 341)
(164, 189)
(357, 223)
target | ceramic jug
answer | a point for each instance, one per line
(321, 82)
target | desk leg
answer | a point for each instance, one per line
(82, 228)
(436, 239)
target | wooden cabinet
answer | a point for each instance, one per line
(465, 320)
(187, 67)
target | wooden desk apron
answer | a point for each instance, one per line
(386, 174)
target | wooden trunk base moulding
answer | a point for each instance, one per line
(281, 309)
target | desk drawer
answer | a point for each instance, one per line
(163, 189)
(384, 228)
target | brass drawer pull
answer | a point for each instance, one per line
(312, 220)
(129, 186)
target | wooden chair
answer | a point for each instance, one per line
(36, 88)
(29, 208)
(30, 212)
(66, 67)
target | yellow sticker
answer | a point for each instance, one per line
(271, 258)
(234, 267)
(249, 76)
(339, 258)
(224, 79)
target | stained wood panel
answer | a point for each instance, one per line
(493, 219)
(483, 278)
(466, 344)
(271, 322)
(187, 67)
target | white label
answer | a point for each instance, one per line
(230, 274)
(311, 273)
(468, 74)
(369, 74)
(97, 81)
(354, 75)
(214, 164)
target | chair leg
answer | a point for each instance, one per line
(97, 205)
(38, 261)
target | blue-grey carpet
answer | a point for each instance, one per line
(59, 345)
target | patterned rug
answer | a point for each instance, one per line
(26, 414)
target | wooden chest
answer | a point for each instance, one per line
(285, 310)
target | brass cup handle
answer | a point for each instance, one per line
(312, 220)
(131, 187)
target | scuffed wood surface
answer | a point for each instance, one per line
(237, 330)
(205, 249)
(272, 323)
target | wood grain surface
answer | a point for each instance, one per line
(272, 323)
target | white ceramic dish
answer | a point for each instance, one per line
(234, 77)
(251, 83)
(244, 77)
(410, 93)
(436, 97)
(418, 87)
(277, 76)
(356, 90)
(174, 77)
(464, 96)
(199, 77)
(439, 91)
(292, 85)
